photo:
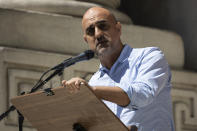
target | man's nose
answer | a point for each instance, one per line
(98, 32)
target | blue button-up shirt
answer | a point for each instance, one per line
(144, 75)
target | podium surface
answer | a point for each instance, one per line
(60, 111)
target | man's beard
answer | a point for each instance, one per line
(101, 49)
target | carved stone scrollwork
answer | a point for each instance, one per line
(20, 80)
(184, 107)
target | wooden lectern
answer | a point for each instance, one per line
(58, 110)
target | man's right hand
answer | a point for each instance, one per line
(73, 85)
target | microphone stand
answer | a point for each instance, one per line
(58, 71)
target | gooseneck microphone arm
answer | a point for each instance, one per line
(58, 70)
(88, 54)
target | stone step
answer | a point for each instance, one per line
(65, 7)
(62, 34)
(169, 42)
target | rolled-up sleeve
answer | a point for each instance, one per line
(152, 77)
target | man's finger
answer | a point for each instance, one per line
(77, 84)
(73, 88)
(63, 82)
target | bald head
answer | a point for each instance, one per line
(93, 12)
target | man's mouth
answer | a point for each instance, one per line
(102, 43)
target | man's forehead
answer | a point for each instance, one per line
(95, 19)
(94, 15)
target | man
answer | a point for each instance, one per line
(133, 83)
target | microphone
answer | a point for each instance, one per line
(86, 55)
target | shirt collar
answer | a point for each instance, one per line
(124, 53)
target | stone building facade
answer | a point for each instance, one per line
(36, 35)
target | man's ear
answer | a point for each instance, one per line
(118, 26)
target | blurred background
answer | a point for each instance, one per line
(179, 16)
